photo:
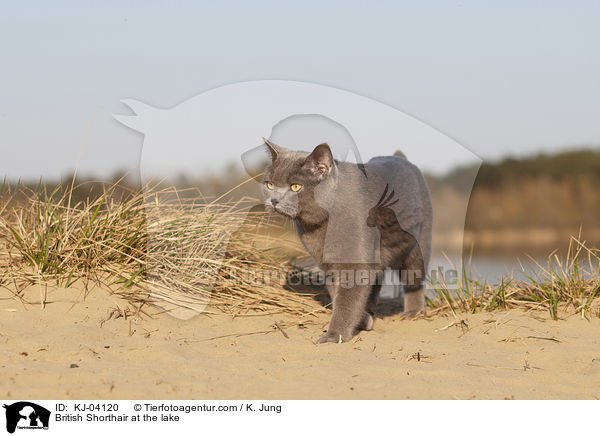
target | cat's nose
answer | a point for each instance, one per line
(274, 202)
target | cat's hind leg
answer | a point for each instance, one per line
(414, 302)
(414, 276)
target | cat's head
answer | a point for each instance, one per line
(298, 184)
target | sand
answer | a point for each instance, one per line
(66, 351)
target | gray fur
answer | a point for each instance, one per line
(355, 219)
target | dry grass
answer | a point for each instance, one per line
(563, 287)
(158, 246)
(166, 247)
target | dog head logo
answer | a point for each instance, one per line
(26, 415)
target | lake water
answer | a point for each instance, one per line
(482, 268)
(490, 269)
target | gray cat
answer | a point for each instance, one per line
(355, 221)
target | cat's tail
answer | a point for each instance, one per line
(400, 154)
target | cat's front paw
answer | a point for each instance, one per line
(367, 322)
(333, 337)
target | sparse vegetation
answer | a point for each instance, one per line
(564, 287)
(165, 246)
(201, 249)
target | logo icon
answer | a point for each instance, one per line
(193, 138)
(26, 415)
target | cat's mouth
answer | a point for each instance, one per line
(285, 211)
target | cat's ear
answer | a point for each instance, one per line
(320, 161)
(273, 149)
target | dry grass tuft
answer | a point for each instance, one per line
(563, 287)
(157, 246)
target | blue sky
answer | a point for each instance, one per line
(503, 78)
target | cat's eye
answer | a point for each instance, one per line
(296, 187)
(269, 185)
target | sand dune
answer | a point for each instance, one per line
(66, 351)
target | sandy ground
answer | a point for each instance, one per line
(65, 352)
